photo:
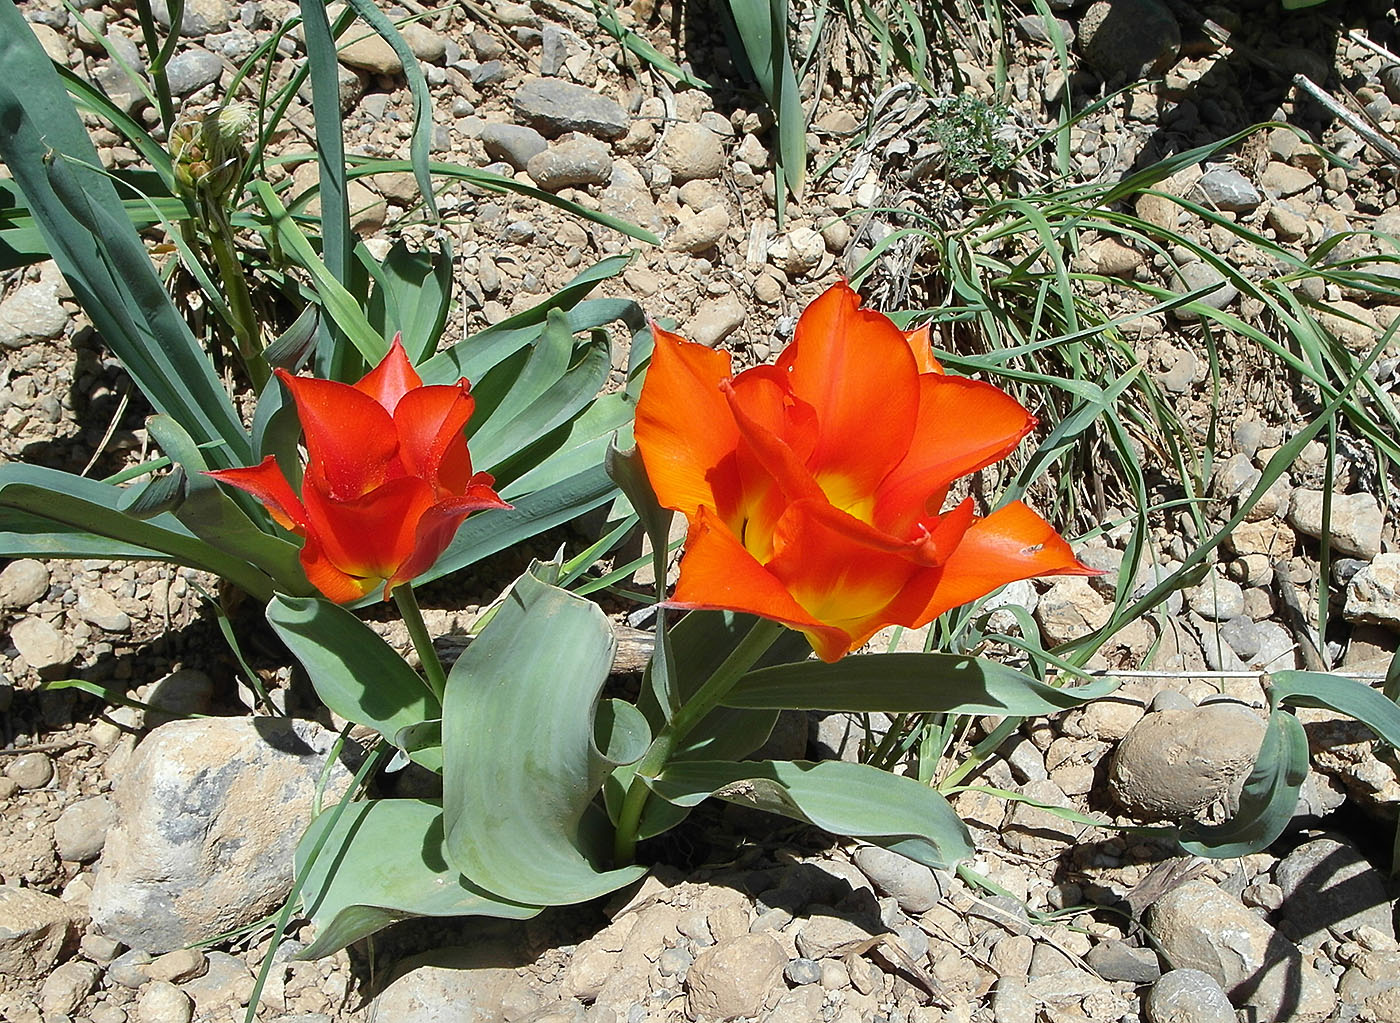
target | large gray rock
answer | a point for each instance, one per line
(1192, 277)
(553, 107)
(199, 17)
(1200, 926)
(513, 143)
(192, 70)
(1228, 189)
(34, 927)
(1329, 884)
(1175, 763)
(1129, 38)
(917, 888)
(210, 812)
(1354, 526)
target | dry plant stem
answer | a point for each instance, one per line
(245, 321)
(434, 676)
(709, 696)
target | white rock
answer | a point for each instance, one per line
(1373, 595)
(700, 231)
(32, 313)
(716, 319)
(162, 1002)
(98, 607)
(23, 582)
(42, 646)
(1217, 598)
(1188, 996)
(81, 830)
(209, 813)
(65, 988)
(1069, 609)
(692, 151)
(453, 985)
(799, 251)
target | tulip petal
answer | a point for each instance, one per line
(430, 421)
(335, 585)
(767, 399)
(351, 442)
(962, 426)
(268, 484)
(394, 377)
(856, 369)
(1010, 544)
(921, 344)
(717, 572)
(439, 524)
(832, 568)
(371, 536)
(684, 429)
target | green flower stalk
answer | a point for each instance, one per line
(208, 153)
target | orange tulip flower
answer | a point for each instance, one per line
(814, 488)
(387, 481)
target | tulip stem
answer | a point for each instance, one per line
(434, 676)
(709, 696)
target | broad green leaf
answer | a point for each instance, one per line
(410, 297)
(526, 396)
(1269, 797)
(563, 486)
(356, 674)
(24, 535)
(487, 532)
(1344, 695)
(522, 766)
(423, 743)
(909, 683)
(212, 515)
(382, 862)
(96, 509)
(46, 149)
(846, 799)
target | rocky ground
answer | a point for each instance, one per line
(128, 835)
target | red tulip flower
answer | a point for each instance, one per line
(387, 481)
(814, 489)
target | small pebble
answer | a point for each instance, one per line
(30, 770)
(803, 971)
